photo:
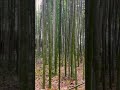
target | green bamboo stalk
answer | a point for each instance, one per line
(66, 40)
(44, 44)
(59, 41)
(74, 43)
(54, 31)
(49, 40)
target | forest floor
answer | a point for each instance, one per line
(66, 83)
(8, 81)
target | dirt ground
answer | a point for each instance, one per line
(66, 82)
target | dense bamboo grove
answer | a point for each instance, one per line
(17, 44)
(60, 37)
(63, 36)
(102, 45)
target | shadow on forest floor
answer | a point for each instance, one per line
(8, 81)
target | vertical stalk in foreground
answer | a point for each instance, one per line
(44, 43)
(59, 41)
(54, 27)
(50, 55)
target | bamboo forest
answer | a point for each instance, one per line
(60, 44)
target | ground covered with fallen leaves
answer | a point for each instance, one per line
(66, 82)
